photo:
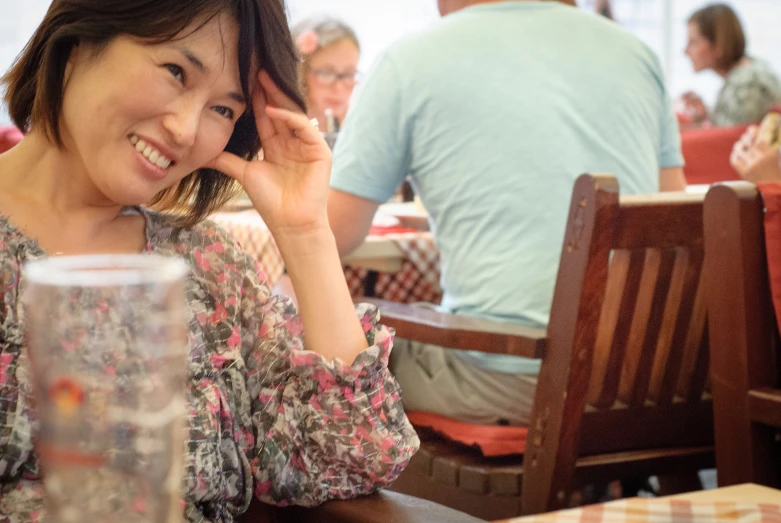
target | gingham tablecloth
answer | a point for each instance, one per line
(248, 229)
(642, 510)
(418, 279)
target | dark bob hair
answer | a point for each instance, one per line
(720, 25)
(35, 82)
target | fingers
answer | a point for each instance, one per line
(262, 122)
(295, 122)
(230, 165)
(270, 94)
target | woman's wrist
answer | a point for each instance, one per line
(303, 245)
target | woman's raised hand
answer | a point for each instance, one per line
(289, 186)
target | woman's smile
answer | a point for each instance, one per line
(155, 162)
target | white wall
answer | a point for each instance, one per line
(18, 20)
(379, 23)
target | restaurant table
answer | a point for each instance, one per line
(398, 264)
(740, 503)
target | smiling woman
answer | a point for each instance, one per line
(133, 103)
(35, 82)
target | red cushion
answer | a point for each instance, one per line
(9, 136)
(707, 151)
(771, 198)
(491, 440)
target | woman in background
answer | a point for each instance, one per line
(329, 53)
(717, 41)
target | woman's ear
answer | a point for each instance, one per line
(72, 58)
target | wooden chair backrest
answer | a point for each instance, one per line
(744, 336)
(626, 361)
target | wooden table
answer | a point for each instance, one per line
(377, 253)
(744, 503)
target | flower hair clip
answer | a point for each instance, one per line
(307, 42)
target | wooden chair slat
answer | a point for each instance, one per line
(642, 379)
(672, 307)
(638, 322)
(668, 368)
(605, 384)
(646, 326)
(694, 377)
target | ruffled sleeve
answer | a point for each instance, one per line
(323, 430)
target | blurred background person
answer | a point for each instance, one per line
(329, 51)
(716, 41)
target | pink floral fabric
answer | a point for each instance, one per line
(267, 417)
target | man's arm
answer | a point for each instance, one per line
(350, 217)
(672, 179)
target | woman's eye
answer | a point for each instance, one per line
(227, 112)
(176, 71)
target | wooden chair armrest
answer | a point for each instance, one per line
(383, 507)
(460, 332)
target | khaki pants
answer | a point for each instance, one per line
(435, 379)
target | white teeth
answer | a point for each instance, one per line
(153, 155)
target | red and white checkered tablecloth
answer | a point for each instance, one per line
(248, 229)
(418, 279)
(659, 510)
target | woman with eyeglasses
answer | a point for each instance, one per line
(329, 53)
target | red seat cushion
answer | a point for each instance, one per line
(491, 440)
(9, 136)
(707, 151)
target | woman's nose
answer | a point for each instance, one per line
(182, 123)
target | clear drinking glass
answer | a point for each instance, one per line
(330, 138)
(107, 342)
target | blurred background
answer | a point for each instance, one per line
(660, 23)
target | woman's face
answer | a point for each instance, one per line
(331, 78)
(138, 118)
(700, 50)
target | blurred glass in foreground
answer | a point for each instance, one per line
(108, 349)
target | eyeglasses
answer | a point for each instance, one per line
(328, 77)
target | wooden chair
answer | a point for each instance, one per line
(622, 390)
(383, 507)
(744, 337)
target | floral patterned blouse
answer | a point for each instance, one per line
(749, 91)
(266, 416)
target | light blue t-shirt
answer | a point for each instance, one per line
(495, 112)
